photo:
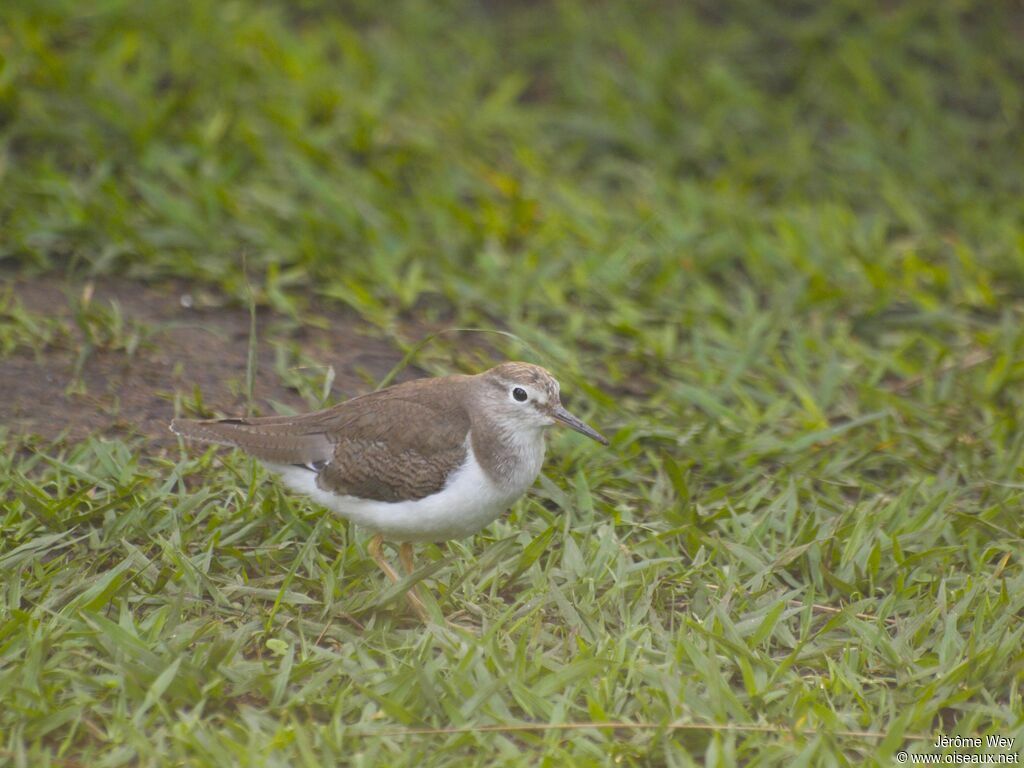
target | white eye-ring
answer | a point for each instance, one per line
(519, 395)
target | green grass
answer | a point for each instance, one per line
(777, 254)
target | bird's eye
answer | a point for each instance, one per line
(519, 394)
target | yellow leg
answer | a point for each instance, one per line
(374, 548)
(405, 555)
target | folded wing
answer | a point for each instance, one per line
(396, 444)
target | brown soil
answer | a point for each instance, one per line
(204, 345)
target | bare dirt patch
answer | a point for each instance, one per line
(189, 341)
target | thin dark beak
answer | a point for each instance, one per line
(573, 423)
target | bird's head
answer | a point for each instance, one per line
(527, 396)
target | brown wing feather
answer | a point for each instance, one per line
(398, 443)
(372, 470)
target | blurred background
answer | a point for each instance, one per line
(776, 249)
(640, 191)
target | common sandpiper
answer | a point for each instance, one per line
(424, 461)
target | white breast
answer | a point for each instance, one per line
(468, 502)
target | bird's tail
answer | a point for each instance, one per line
(273, 439)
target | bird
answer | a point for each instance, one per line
(427, 460)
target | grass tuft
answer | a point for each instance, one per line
(775, 253)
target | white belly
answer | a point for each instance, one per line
(468, 502)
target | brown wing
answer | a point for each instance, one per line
(374, 470)
(398, 443)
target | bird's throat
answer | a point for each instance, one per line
(511, 458)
